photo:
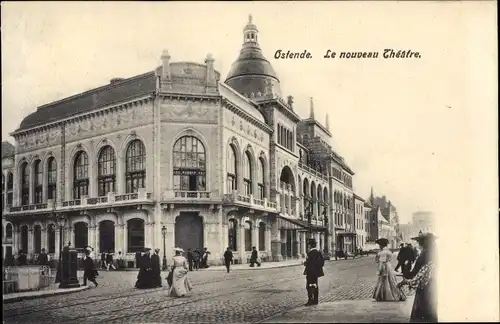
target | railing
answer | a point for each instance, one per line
(235, 197)
(125, 197)
(32, 207)
(69, 203)
(312, 171)
(192, 194)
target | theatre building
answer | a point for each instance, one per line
(213, 163)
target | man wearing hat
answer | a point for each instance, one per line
(313, 270)
(144, 278)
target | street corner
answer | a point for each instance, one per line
(348, 311)
(16, 297)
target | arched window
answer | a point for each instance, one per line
(135, 166)
(8, 231)
(135, 235)
(51, 238)
(261, 179)
(81, 175)
(106, 171)
(10, 188)
(37, 238)
(189, 164)
(248, 236)
(81, 235)
(262, 236)
(247, 173)
(232, 234)
(51, 178)
(37, 168)
(232, 183)
(25, 184)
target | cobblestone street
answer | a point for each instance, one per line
(240, 296)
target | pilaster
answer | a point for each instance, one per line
(31, 248)
(241, 242)
(275, 241)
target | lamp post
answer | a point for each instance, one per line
(164, 234)
(61, 220)
(309, 216)
(327, 229)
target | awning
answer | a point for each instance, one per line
(298, 224)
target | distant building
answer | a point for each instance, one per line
(422, 221)
(359, 221)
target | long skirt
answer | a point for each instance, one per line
(180, 283)
(424, 306)
(386, 288)
(144, 280)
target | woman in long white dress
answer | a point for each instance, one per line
(180, 281)
(386, 288)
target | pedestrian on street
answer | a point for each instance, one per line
(156, 269)
(103, 261)
(190, 258)
(253, 257)
(228, 258)
(196, 259)
(43, 259)
(204, 260)
(109, 261)
(89, 272)
(422, 279)
(180, 281)
(402, 257)
(144, 278)
(386, 288)
(313, 270)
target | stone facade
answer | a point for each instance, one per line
(175, 157)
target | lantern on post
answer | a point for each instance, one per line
(164, 234)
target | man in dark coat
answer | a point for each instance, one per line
(196, 259)
(313, 270)
(156, 269)
(228, 258)
(43, 260)
(190, 258)
(89, 272)
(402, 257)
(253, 257)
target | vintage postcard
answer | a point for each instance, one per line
(250, 162)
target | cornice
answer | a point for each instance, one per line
(189, 96)
(133, 102)
(243, 114)
(282, 106)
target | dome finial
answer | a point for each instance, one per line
(311, 108)
(250, 18)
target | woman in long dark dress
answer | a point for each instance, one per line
(422, 279)
(144, 278)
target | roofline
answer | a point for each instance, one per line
(359, 198)
(250, 102)
(102, 108)
(314, 121)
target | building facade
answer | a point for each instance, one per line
(360, 220)
(214, 164)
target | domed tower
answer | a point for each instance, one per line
(251, 74)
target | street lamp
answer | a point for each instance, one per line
(61, 220)
(325, 217)
(164, 234)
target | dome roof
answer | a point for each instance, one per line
(251, 71)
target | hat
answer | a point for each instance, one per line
(178, 249)
(157, 250)
(382, 241)
(147, 249)
(425, 237)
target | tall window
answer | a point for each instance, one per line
(232, 183)
(51, 237)
(106, 171)
(3, 191)
(81, 235)
(25, 184)
(135, 235)
(10, 188)
(262, 236)
(135, 166)
(232, 234)
(8, 231)
(81, 175)
(51, 178)
(248, 236)
(261, 179)
(189, 164)
(37, 238)
(37, 168)
(247, 173)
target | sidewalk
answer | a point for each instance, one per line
(15, 297)
(264, 265)
(348, 311)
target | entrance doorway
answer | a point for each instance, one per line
(107, 236)
(189, 231)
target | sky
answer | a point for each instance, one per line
(403, 125)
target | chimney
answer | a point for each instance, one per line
(165, 73)
(210, 80)
(327, 122)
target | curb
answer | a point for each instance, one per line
(49, 294)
